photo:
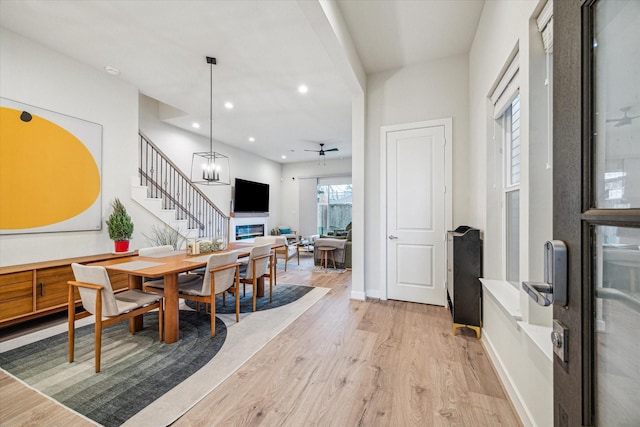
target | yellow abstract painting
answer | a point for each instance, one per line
(50, 171)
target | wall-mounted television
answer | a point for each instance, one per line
(250, 196)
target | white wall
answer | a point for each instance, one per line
(290, 191)
(179, 146)
(35, 75)
(505, 26)
(434, 90)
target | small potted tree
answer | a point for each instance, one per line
(120, 226)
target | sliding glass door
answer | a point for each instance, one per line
(334, 208)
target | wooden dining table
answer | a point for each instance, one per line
(168, 266)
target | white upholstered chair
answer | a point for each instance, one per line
(285, 252)
(98, 299)
(222, 275)
(257, 267)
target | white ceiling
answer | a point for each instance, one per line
(265, 50)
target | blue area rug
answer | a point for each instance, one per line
(283, 294)
(136, 369)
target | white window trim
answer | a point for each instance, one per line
(507, 186)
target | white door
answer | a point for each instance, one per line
(417, 210)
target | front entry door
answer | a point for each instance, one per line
(596, 182)
(416, 210)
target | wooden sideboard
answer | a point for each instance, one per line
(32, 290)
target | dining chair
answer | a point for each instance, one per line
(222, 275)
(108, 308)
(273, 261)
(284, 248)
(257, 267)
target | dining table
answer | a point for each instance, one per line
(168, 265)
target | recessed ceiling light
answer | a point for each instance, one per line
(112, 70)
(252, 139)
(284, 157)
(303, 89)
(196, 125)
(228, 105)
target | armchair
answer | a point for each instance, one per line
(286, 231)
(98, 299)
(222, 275)
(287, 251)
(258, 266)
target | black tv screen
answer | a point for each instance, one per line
(251, 196)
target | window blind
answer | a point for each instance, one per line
(545, 26)
(307, 206)
(506, 89)
(334, 180)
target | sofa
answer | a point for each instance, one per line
(346, 262)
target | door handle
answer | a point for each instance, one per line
(554, 288)
(392, 237)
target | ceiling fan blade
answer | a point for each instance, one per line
(331, 149)
(613, 120)
(315, 151)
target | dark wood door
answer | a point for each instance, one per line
(596, 204)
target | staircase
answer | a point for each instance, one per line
(167, 193)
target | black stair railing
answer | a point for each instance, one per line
(166, 181)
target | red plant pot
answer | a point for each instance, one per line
(122, 246)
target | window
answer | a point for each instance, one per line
(511, 204)
(334, 207)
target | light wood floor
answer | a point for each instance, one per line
(342, 363)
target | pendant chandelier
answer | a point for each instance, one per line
(209, 167)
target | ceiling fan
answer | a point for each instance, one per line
(625, 119)
(321, 151)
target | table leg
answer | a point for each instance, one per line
(260, 290)
(171, 309)
(135, 323)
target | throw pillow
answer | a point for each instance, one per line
(285, 230)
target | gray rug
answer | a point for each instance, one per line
(282, 294)
(136, 369)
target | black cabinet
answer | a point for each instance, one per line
(464, 269)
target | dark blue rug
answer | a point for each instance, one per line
(283, 294)
(136, 369)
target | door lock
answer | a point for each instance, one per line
(559, 337)
(554, 288)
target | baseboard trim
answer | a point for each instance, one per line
(358, 295)
(374, 294)
(507, 382)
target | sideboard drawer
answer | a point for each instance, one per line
(16, 294)
(52, 288)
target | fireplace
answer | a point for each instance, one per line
(247, 226)
(249, 231)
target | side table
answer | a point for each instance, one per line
(324, 256)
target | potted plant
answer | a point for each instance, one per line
(120, 226)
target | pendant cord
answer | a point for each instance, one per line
(211, 109)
